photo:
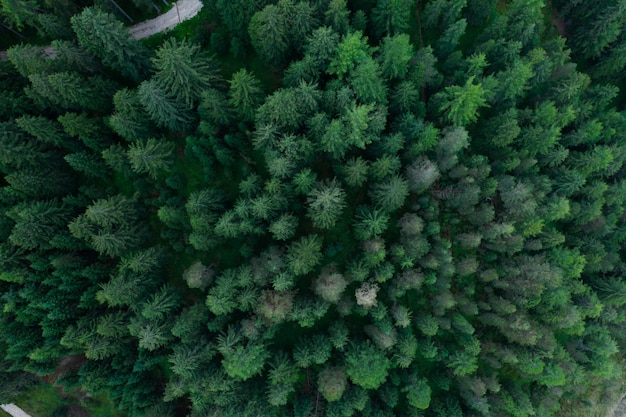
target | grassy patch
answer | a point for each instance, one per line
(39, 401)
(101, 406)
(4, 413)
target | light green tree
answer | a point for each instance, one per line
(460, 105)
(396, 53)
(366, 365)
(153, 157)
(325, 204)
(304, 254)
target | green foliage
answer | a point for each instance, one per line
(304, 254)
(391, 194)
(366, 365)
(325, 204)
(244, 362)
(278, 30)
(357, 223)
(183, 71)
(153, 157)
(102, 35)
(245, 94)
(396, 53)
(163, 109)
(459, 105)
(391, 17)
(351, 51)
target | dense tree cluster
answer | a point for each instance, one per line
(412, 209)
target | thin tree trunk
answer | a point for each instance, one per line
(419, 21)
(14, 32)
(122, 11)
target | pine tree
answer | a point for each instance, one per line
(366, 366)
(162, 108)
(391, 17)
(70, 55)
(369, 222)
(20, 12)
(214, 108)
(90, 130)
(111, 211)
(30, 59)
(396, 53)
(105, 37)
(44, 129)
(245, 94)
(304, 254)
(116, 241)
(460, 105)
(284, 227)
(450, 39)
(37, 224)
(351, 51)
(391, 194)
(368, 84)
(130, 121)
(604, 21)
(88, 164)
(321, 45)
(269, 33)
(183, 71)
(337, 16)
(71, 91)
(325, 204)
(153, 157)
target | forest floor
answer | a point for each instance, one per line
(619, 410)
(181, 10)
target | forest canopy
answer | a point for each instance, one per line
(317, 208)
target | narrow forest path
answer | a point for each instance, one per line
(14, 410)
(619, 410)
(181, 10)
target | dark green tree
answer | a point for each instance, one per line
(163, 109)
(105, 37)
(183, 71)
(153, 157)
(245, 94)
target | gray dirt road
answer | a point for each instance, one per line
(181, 10)
(14, 410)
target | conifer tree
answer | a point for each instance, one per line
(245, 94)
(38, 223)
(153, 157)
(183, 71)
(366, 365)
(325, 203)
(460, 105)
(165, 110)
(106, 38)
